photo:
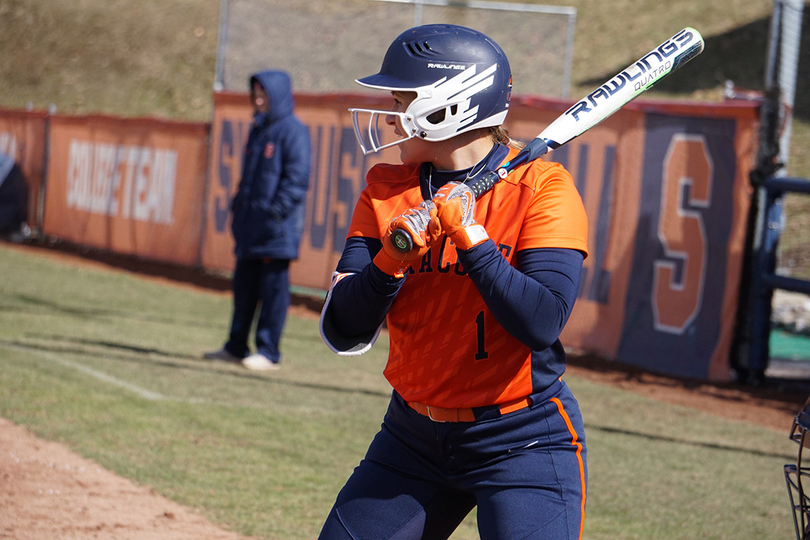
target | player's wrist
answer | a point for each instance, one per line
(470, 236)
(392, 266)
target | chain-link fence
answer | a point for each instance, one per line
(793, 255)
(326, 44)
(789, 340)
(774, 309)
(790, 312)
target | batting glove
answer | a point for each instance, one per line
(423, 227)
(455, 206)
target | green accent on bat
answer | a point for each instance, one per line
(401, 241)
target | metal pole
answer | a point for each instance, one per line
(789, 48)
(569, 55)
(222, 41)
(417, 12)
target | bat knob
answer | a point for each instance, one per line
(401, 240)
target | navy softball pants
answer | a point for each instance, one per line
(526, 471)
(254, 280)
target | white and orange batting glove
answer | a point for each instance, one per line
(455, 206)
(422, 226)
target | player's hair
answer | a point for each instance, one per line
(500, 135)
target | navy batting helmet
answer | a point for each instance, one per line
(460, 76)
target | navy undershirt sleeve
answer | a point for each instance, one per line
(360, 301)
(532, 301)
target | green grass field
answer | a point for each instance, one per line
(108, 363)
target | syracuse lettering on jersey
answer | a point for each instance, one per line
(447, 260)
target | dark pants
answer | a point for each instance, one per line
(526, 471)
(266, 281)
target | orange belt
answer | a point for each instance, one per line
(437, 414)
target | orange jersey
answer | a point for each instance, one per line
(447, 350)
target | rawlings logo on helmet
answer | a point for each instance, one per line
(446, 66)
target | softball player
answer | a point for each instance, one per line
(479, 414)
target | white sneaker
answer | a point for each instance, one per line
(259, 362)
(222, 355)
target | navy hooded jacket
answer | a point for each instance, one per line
(268, 208)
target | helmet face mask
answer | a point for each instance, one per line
(795, 475)
(461, 79)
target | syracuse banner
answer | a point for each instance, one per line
(131, 186)
(666, 191)
(679, 310)
(22, 137)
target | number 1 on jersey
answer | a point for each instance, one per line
(482, 353)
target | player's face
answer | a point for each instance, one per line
(413, 150)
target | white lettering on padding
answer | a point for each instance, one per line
(122, 180)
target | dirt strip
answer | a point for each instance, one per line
(47, 491)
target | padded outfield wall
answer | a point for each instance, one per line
(665, 186)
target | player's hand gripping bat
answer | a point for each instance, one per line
(590, 111)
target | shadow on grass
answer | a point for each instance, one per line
(195, 277)
(788, 395)
(28, 304)
(674, 440)
(25, 303)
(133, 354)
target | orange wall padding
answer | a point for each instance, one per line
(131, 186)
(665, 185)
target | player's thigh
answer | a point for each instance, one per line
(528, 514)
(378, 502)
(539, 490)
(544, 499)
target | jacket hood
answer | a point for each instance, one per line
(278, 86)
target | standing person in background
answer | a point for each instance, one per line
(479, 413)
(268, 221)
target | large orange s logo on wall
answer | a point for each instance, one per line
(686, 193)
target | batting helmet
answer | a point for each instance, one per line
(460, 76)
